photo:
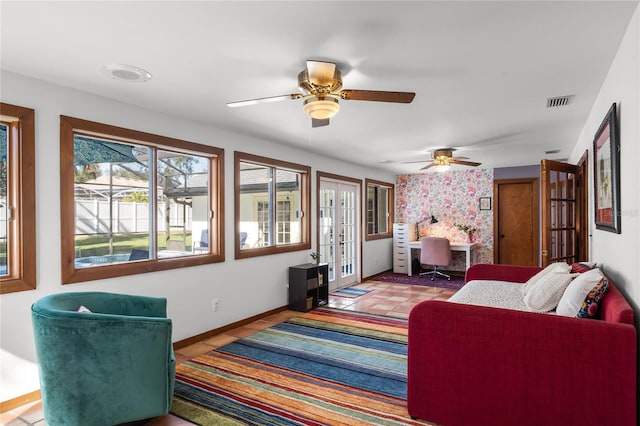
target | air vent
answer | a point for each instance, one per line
(552, 151)
(127, 73)
(559, 101)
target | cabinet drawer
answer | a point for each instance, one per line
(400, 269)
(400, 262)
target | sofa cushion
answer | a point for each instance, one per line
(546, 292)
(496, 294)
(549, 269)
(581, 291)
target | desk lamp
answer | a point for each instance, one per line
(431, 220)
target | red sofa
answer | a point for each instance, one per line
(475, 365)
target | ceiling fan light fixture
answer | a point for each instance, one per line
(441, 163)
(441, 167)
(321, 109)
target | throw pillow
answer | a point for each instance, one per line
(582, 267)
(577, 291)
(549, 269)
(591, 303)
(544, 295)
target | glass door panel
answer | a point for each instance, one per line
(338, 232)
(559, 216)
(327, 231)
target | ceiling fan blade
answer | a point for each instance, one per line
(459, 158)
(428, 166)
(316, 122)
(377, 96)
(264, 100)
(321, 73)
(464, 163)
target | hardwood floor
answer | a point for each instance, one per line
(385, 299)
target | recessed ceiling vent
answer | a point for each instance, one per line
(559, 101)
(127, 73)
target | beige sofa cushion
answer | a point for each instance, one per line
(546, 292)
(549, 269)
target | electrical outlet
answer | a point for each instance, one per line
(215, 304)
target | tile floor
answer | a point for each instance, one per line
(386, 299)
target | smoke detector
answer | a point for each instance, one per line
(127, 73)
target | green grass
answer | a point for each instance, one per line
(98, 245)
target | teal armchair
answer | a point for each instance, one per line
(110, 366)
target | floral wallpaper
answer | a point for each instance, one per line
(453, 198)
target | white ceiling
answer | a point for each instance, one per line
(482, 71)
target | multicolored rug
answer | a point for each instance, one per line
(324, 367)
(350, 292)
(456, 282)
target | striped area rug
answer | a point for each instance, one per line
(324, 367)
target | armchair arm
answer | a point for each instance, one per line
(510, 273)
(107, 367)
(485, 366)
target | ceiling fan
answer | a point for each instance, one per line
(320, 85)
(443, 158)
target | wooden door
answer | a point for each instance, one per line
(564, 206)
(516, 221)
(582, 210)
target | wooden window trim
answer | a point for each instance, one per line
(22, 190)
(391, 201)
(305, 204)
(68, 127)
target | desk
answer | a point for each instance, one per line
(470, 250)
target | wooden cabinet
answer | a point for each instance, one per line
(403, 233)
(308, 286)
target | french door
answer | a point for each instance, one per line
(338, 231)
(564, 206)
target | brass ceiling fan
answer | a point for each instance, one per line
(443, 158)
(320, 85)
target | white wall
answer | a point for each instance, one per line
(620, 254)
(242, 291)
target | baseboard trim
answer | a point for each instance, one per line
(19, 401)
(207, 334)
(373, 277)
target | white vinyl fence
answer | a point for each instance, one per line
(92, 217)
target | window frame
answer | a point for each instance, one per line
(390, 207)
(20, 122)
(305, 205)
(69, 126)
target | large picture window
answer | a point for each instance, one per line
(272, 202)
(17, 199)
(379, 209)
(134, 202)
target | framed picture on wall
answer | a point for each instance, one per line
(606, 172)
(485, 203)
